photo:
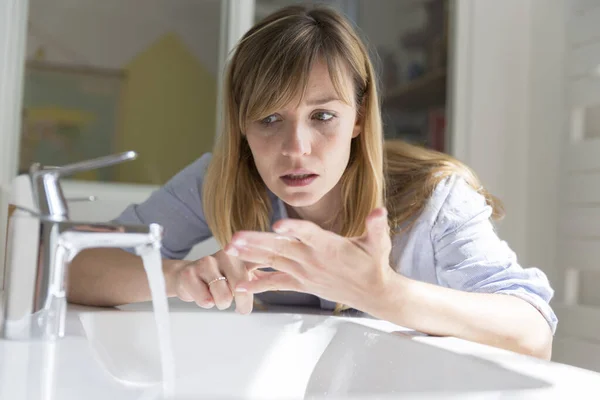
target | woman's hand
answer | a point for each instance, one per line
(352, 271)
(192, 282)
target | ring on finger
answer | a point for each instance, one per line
(221, 278)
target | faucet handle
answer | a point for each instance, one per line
(81, 199)
(46, 186)
(87, 165)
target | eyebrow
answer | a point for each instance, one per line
(323, 100)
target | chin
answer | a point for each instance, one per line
(299, 199)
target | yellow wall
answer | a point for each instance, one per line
(167, 113)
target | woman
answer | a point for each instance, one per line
(304, 200)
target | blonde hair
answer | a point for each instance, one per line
(411, 175)
(269, 68)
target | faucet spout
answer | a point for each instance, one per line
(39, 313)
(42, 243)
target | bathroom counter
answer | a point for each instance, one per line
(110, 354)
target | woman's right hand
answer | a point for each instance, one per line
(191, 282)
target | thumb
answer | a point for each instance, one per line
(377, 234)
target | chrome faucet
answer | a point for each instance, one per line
(42, 243)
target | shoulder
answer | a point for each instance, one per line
(450, 203)
(453, 203)
(197, 167)
(455, 195)
(192, 174)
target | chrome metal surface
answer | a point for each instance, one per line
(41, 245)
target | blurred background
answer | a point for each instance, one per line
(109, 76)
(511, 87)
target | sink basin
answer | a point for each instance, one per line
(282, 356)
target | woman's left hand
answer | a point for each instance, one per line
(306, 258)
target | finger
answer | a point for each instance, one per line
(251, 267)
(235, 271)
(195, 288)
(307, 232)
(268, 258)
(269, 281)
(182, 293)
(270, 242)
(220, 291)
(377, 233)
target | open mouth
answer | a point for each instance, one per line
(299, 179)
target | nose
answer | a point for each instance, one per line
(297, 141)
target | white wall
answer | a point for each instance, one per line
(523, 104)
(489, 103)
(579, 211)
(508, 115)
(546, 127)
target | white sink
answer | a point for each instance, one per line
(281, 356)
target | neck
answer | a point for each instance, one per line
(321, 212)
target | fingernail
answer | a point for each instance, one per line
(241, 289)
(280, 229)
(232, 251)
(385, 213)
(242, 312)
(239, 242)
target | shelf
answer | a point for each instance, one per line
(424, 92)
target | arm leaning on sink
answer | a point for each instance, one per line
(451, 274)
(111, 277)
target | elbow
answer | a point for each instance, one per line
(536, 342)
(535, 337)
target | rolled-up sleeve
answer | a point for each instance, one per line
(177, 207)
(470, 256)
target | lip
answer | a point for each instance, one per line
(298, 171)
(295, 182)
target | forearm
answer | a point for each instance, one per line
(110, 277)
(498, 320)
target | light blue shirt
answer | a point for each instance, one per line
(452, 242)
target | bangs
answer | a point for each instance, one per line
(279, 75)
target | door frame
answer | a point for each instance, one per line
(13, 34)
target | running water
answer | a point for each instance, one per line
(153, 266)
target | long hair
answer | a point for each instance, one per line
(411, 175)
(269, 68)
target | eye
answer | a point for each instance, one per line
(270, 119)
(323, 116)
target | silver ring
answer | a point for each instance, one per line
(221, 278)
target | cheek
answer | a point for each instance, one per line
(336, 150)
(340, 135)
(261, 151)
(254, 144)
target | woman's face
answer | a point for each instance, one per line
(302, 150)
